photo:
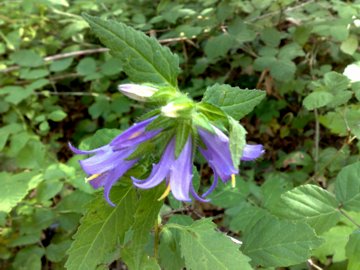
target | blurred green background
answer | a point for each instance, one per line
(58, 84)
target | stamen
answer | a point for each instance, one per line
(92, 177)
(136, 134)
(233, 181)
(166, 193)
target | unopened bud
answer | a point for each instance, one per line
(177, 109)
(137, 91)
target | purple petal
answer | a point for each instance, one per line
(84, 152)
(181, 173)
(160, 170)
(252, 152)
(212, 187)
(196, 196)
(218, 153)
(104, 160)
(114, 176)
(135, 131)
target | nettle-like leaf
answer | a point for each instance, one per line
(102, 230)
(312, 204)
(272, 242)
(133, 253)
(204, 248)
(142, 57)
(234, 101)
(237, 140)
(347, 187)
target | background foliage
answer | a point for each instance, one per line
(297, 207)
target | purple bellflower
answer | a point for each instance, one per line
(177, 172)
(109, 162)
(218, 155)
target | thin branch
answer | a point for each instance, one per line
(270, 14)
(312, 264)
(93, 51)
(317, 140)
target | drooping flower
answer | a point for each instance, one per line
(218, 155)
(136, 91)
(177, 172)
(109, 162)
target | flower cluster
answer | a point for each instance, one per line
(110, 162)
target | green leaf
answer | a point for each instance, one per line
(204, 248)
(237, 140)
(312, 204)
(271, 37)
(234, 101)
(57, 115)
(218, 46)
(15, 187)
(282, 243)
(143, 58)
(55, 252)
(245, 217)
(353, 250)
(102, 229)
(169, 250)
(147, 211)
(61, 65)
(317, 100)
(335, 82)
(334, 244)
(347, 187)
(350, 45)
(241, 31)
(87, 66)
(283, 70)
(27, 58)
(18, 94)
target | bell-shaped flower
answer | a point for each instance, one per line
(136, 91)
(177, 172)
(109, 162)
(218, 155)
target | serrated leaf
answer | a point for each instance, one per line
(347, 187)
(102, 229)
(317, 100)
(204, 248)
(15, 187)
(145, 216)
(237, 140)
(353, 250)
(143, 58)
(234, 101)
(246, 217)
(282, 243)
(312, 204)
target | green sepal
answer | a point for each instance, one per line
(200, 120)
(182, 134)
(237, 140)
(161, 122)
(212, 112)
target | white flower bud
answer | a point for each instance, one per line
(136, 91)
